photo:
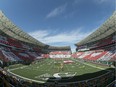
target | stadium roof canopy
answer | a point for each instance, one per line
(106, 29)
(12, 30)
(59, 48)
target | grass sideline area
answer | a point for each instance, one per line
(50, 70)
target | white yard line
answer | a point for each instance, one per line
(18, 68)
(51, 65)
(90, 65)
(65, 65)
(48, 69)
(41, 65)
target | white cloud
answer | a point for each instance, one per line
(60, 39)
(57, 11)
(39, 34)
(101, 1)
(76, 2)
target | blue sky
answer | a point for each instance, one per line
(58, 22)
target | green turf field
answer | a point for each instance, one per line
(49, 70)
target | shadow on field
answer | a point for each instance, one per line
(81, 77)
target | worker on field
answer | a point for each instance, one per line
(62, 66)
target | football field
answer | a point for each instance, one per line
(61, 70)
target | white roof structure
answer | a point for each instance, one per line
(108, 28)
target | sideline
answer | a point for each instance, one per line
(9, 70)
(25, 77)
(59, 83)
(18, 68)
(90, 65)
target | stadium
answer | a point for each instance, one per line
(27, 62)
